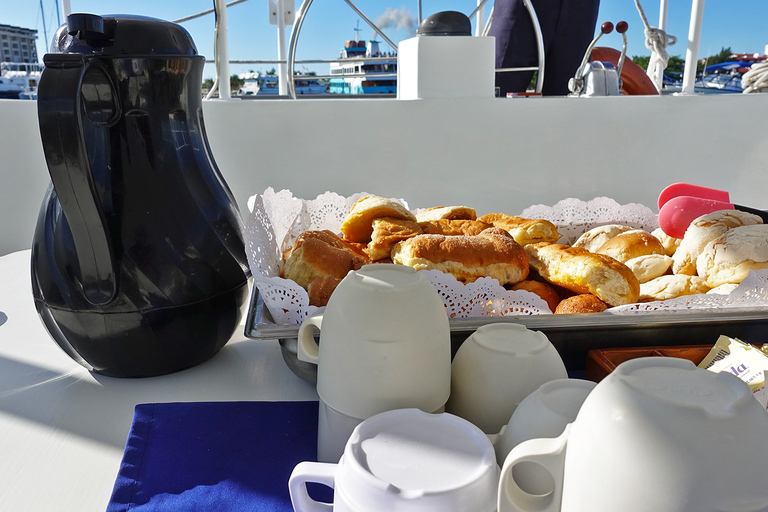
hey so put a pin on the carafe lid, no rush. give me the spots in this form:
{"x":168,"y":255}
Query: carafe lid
{"x":122,"y":36}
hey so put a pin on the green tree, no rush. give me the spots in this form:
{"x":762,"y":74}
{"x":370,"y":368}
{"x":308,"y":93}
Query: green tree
{"x":235,"y":83}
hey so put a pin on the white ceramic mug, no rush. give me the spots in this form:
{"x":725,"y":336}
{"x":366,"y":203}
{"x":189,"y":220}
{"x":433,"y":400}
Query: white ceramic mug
{"x":384,"y":344}
{"x":657,"y":434}
{"x":496,"y":368}
{"x":406,"y":460}
{"x":543,"y":414}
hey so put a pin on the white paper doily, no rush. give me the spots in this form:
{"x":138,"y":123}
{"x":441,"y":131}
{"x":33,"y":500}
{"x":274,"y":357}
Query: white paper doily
{"x":276,"y":218}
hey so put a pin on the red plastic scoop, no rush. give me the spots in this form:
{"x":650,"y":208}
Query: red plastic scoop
{"x":676,"y":214}
{"x":686,"y":189}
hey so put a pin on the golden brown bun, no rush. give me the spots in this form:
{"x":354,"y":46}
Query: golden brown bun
{"x":456,"y":227}
{"x":545,"y":291}
{"x":358,"y":225}
{"x":670,"y":243}
{"x":387,"y":231}
{"x":702,"y":231}
{"x":671,"y":287}
{"x":492,"y":253}
{"x":524,"y":231}
{"x":595,"y":237}
{"x":730,"y":257}
{"x":319,"y":254}
{"x":583,"y":303}
{"x":649,"y":266}
{"x":581,"y":271}
{"x":631,"y":244}
{"x":447,"y":213}
{"x":320,"y":290}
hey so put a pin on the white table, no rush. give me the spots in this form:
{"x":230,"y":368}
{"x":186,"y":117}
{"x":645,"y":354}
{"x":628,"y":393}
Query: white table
{"x":63,"y":429}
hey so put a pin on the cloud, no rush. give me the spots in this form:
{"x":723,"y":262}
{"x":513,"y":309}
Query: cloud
{"x":399,"y":19}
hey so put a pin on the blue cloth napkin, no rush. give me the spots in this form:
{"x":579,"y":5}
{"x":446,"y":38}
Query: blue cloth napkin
{"x":215,"y":456}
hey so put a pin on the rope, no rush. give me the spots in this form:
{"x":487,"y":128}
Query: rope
{"x":756,"y":79}
{"x":656,"y":40}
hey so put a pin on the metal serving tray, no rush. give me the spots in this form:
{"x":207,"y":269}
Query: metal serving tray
{"x":572,"y":335}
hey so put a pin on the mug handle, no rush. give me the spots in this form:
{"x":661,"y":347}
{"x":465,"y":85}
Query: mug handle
{"x":538,"y":486}
{"x":307,"y":348}
{"x":317,"y":472}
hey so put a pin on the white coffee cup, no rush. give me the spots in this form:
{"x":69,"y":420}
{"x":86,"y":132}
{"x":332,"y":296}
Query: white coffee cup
{"x":496,"y":368}
{"x":406,"y":460}
{"x":384,"y":344}
{"x":543,"y":414}
{"x":657,"y":434}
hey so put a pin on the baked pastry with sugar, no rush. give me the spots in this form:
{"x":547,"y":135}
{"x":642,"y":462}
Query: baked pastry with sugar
{"x":543,"y":290}
{"x":703,"y":230}
{"x":631,"y":244}
{"x":455,"y":227}
{"x":358,"y":225}
{"x":670,"y":243}
{"x":649,"y":266}
{"x":582,"y":303}
{"x":319,"y":254}
{"x":595,"y":237}
{"x":447,"y":213}
{"x":492,"y":253}
{"x":387,"y":231}
{"x":672,"y":286}
{"x":524,"y":231}
{"x":582,"y":271}
{"x":730,"y":257}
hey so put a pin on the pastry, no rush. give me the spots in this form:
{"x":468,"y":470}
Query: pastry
{"x":358,"y":225}
{"x":447,"y":213}
{"x":723,"y":289}
{"x":387,"y":231}
{"x":583,"y":303}
{"x":543,"y":290}
{"x":455,"y":227}
{"x":670,"y":243}
{"x":730,"y":257}
{"x":649,"y":266}
{"x":703,"y":230}
{"x":524,"y":231}
{"x":581,"y":271}
{"x":319,"y":254}
{"x":671,"y":287}
{"x":631,"y":244}
{"x":595,"y":237}
{"x":492,"y":253}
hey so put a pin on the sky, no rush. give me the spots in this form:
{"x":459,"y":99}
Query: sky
{"x":738,"y":24}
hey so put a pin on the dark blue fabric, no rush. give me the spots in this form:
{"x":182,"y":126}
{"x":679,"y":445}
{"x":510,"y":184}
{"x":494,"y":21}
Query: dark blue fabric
{"x":215,"y":456}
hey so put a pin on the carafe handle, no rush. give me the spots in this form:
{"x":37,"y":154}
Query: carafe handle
{"x":307,"y":348}
{"x":62,"y":103}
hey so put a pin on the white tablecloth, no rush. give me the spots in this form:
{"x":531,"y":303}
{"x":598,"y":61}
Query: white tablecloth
{"x":63,"y":429}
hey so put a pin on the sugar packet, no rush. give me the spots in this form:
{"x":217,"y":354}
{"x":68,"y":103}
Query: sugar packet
{"x":743,"y":360}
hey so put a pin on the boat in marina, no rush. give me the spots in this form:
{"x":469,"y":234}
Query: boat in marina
{"x":19,"y":79}
{"x":260,"y":84}
{"x":65,"y":429}
{"x":363,"y":69}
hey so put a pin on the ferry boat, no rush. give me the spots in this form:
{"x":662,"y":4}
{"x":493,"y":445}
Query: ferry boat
{"x":260,"y":84}
{"x":19,"y":79}
{"x":364,"y":69}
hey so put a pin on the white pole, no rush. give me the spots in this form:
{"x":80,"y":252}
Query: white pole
{"x":282,"y":74}
{"x":480,"y":18}
{"x":692,"y":54}
{"x":222,"y":50}
{"x":658,"y":73}
{"x":66,"y":8}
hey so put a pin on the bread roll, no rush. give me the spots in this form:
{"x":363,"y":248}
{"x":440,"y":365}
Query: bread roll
{"x":730,"y":257}
{"x":447,"y":213}
{"x":456,"y":227}
{"x":543,"y":290}
{"x":493,"y":253}
{"x":723,"y":289}
{"x":595,"y":237}
{"x":671,"y":287}
{"x":319,"y":254}
{"x":387,"y":231}
{"x":358,"y":225}
{"x":670,"y":243}
{"x":524,"y":231}
{"x":703,"y":230}
{"x":581,"y":271}
{"x":631,"y":244}
{"x":583,"y":303}
{"x":649,"y":266}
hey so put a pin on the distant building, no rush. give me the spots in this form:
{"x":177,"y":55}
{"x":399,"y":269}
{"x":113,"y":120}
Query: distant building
{"x":17,"y":44}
